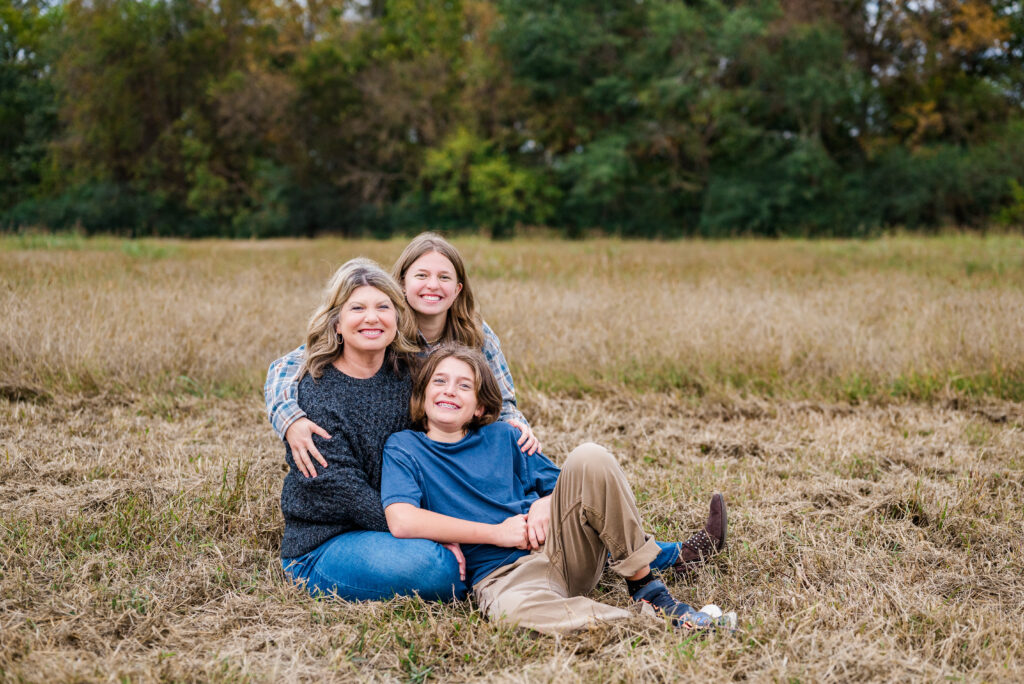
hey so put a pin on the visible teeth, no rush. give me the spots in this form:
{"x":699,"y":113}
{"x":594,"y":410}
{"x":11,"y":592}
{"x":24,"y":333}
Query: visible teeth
{"x":432,"y":298}
{"x":448,"y":405}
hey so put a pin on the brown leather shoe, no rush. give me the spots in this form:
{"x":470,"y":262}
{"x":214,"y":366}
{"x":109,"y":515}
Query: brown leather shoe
{"x":700,"y":547}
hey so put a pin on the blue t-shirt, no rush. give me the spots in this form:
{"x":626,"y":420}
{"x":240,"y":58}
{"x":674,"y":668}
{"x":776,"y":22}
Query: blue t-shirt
{"x":483,"y":477}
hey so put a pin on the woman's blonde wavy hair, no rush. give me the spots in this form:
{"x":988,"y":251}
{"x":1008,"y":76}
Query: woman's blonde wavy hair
{"x":462,"y":325}
{"x":324,"y":345}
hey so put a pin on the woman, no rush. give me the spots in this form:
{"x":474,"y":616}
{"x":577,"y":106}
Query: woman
{"x":355,"y":384}
{"x":433,"y":279}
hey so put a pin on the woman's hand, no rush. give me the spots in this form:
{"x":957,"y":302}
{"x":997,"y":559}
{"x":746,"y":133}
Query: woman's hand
{"x":511,"y":533}
{"x":300,"y":438}
{"x":538,"y":521}
{"x":528,"y":442}
{"x":457,"y":550}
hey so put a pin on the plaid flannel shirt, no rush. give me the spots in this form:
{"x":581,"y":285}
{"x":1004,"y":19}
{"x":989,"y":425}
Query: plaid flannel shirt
{"x":281,"y":390}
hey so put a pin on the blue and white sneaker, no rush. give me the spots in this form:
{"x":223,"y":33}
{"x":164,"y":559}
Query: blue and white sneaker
{"x":683,"y":615}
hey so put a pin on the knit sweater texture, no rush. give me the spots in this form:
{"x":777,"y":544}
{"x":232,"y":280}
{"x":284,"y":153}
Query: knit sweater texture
{"x":360,"y":415}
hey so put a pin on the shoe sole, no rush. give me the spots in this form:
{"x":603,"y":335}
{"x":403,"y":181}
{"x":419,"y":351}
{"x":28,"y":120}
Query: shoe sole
{"x":725,"y":523}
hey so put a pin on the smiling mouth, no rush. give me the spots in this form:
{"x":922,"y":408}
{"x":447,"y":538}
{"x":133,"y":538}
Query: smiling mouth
{"x":447,"y":405}
{"x":371,"y":332}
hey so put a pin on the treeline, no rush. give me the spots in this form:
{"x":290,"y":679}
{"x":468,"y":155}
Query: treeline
{"x":636,"y":117}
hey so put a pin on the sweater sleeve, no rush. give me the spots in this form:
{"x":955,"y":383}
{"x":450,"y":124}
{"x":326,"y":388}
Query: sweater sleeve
{"x":341,"y":493}
{"x":281,"y":391}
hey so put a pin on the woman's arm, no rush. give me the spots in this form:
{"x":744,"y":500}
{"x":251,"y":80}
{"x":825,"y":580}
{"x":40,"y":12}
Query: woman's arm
{"x":510,"y":412}
{"x":410,"y":522}
{"x":281,"y":393}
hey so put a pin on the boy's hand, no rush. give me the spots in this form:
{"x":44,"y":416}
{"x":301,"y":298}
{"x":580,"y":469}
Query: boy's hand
{"x":538,"y":521}
{"x":511,"y":533}
{"x":457,"y":550}
{"x":299,"y":436}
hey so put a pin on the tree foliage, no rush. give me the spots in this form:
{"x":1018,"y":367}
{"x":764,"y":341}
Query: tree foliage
{"x":652,"y":118}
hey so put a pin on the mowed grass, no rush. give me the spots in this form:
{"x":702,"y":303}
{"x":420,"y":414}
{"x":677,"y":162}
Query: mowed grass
{"x":858,"y":403}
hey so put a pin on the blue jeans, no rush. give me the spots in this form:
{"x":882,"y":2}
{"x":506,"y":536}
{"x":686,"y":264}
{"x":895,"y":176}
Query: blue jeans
{"x":373,"y":566}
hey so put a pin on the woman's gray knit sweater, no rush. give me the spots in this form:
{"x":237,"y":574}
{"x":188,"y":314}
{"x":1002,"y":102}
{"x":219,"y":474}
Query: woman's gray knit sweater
{"x":359,"y":415}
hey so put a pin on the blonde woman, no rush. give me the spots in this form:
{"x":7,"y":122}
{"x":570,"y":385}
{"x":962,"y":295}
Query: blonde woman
{"x":354,"y":381}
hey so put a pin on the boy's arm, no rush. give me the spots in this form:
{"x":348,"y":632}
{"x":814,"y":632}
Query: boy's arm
{"x":406,"y":521}
{"x":538,"y":522}
{"x":541,"y":475}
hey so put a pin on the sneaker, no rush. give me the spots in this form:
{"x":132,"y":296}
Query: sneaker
{"x":700,"y":547}
{"x":683,"y":616}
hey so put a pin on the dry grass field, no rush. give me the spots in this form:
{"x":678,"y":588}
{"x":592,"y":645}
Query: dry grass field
{"x":860,"y":404}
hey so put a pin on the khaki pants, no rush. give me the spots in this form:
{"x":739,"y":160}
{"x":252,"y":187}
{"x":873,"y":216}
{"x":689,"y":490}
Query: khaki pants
{"x":593,"y":514}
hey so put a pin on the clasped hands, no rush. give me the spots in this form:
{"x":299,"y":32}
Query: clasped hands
{"x":526,"y":531}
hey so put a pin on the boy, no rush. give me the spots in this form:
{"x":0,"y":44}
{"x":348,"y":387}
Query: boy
{"x":463,"y":480}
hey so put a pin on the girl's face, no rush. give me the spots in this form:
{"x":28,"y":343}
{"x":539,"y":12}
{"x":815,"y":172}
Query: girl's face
{"x":450,"y":398}
{"x":431,"y":285}
{"x":367,"y":321}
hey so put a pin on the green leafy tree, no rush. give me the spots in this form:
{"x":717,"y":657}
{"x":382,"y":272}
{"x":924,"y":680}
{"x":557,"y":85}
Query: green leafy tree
{"x":28,"y":110}
{"x":467,"y":182}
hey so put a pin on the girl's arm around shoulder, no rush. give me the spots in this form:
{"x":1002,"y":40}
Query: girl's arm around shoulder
{"x":510,"y":412}
{"x":281,"y":391}
{"x":498,"y":364}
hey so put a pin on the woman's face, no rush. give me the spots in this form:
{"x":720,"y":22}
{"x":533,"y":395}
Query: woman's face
{"x":431,"y":285}
{"x":368,"y":321}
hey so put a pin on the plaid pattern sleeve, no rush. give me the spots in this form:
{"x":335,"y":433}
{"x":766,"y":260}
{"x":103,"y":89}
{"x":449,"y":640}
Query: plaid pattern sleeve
{"x":281,"y":391}
{"x":499,"y":366}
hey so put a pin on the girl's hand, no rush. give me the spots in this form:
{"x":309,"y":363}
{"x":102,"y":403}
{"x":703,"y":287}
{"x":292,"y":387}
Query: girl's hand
{"x":299,"y":436}
{"x":538,"y":521}
{"x":511,"y":533}
{"x":528,"y":442}
{"x":457,"y":550}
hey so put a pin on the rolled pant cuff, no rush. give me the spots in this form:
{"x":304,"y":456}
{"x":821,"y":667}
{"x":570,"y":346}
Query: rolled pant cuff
{"x":636,"y":561}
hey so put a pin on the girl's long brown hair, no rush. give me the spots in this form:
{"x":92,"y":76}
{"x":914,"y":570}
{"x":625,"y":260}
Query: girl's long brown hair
{"x":463,"y":324}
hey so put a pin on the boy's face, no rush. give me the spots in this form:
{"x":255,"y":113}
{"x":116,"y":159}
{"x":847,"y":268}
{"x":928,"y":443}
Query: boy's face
{"x":450,"y":399}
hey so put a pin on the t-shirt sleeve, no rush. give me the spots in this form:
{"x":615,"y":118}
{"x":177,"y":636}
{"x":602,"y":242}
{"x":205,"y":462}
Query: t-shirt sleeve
{"x":538,"y":474}
{"x":400,"y":480}
{"x":542,"y":473}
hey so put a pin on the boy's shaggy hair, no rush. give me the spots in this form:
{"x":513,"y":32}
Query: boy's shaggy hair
{"x":487,"y":393}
